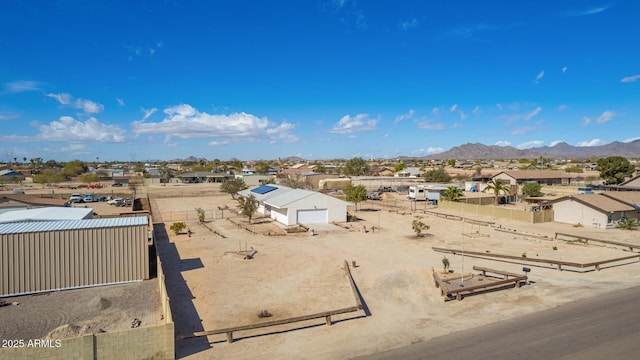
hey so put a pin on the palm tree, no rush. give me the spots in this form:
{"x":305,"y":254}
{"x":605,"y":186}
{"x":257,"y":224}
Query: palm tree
{"x":452,"y":193}
{"x":497,"y":187}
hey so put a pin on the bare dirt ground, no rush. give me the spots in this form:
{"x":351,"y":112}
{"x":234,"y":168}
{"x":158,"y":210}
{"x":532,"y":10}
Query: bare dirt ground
{"x":298,"y":274}
{"x":69,"y":313}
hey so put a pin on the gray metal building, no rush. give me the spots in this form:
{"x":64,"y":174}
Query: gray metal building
{"x":56,"y":255}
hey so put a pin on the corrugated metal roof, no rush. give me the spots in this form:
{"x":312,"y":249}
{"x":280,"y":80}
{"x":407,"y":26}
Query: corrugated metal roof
{"x":38,"y":226}
{"x":46,"y":214}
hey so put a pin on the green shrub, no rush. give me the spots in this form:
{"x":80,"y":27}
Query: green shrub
{"x":178,"y":227}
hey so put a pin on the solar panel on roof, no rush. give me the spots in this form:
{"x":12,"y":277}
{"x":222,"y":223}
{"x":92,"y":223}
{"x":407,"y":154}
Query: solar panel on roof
{"x":263,"y":189}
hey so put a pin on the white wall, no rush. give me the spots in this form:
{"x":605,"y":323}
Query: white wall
{"x":572,"y":212}
{"x":337,"y":209}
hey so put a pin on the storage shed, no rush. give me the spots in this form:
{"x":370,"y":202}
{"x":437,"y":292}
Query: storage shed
{"x":591,"y":210}
{"x":40,"y":256}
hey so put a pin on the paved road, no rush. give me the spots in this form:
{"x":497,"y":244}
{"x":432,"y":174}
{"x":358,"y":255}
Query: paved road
{"x":604,"y":327}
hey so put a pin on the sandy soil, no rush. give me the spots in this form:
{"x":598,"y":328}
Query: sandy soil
{"x":69,"y":313}
{"x":297,"y":274}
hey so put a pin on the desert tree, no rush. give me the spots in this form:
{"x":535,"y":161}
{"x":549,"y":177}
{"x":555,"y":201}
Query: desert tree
{"x":418,"y":227}
{"x":532,"y":189}
{"x":355,"y":194}
{"x":201,"y":215}
{"x":247,"y":206}
{"x":232,"y":187}
{"x":356,"y":167}
{"x":48,"y":177}
{"x":439,"y":175}
{"x":614,"y":169}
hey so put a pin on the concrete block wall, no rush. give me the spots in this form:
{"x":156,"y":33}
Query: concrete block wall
{"x":498,"y":212}
{"x":153,"y":342}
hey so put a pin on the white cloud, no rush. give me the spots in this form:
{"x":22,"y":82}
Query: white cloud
{"x":530,"y":144}
{"x":8,"y":117}
{"x":499,"y":106}
{"x":120,"y":102}
{"x":351,"y":136}
{"x":631,"y":139}
{"x":429,"y":150}
{"x":476,"y":110}
{"x":88,"y":106}
{"x":427,"y":125}
{"x":72,"y":130}
{"x":453,"y":107}
{"x":564,"y":69}
{"x":186,"y":122}
{"x":554,"y":143}
{"x":62,"y":98}
{"x":562,"y":107}
{"x":535,"y":112}
{"x":523,"y":130}
{"x":409,"y":24}
{"x":593,"y":142}
{"x":435,"y":111}
{"x":21,"y":86}
{"x":406,"y":116}
{"x":605,"y":117}
{"x":631,"y":78}
{"x":539,"y":77}
{"x":463,"y":116}
{"x":503,"y":143}
{"x":588,"y":11}
{"x":148,"y":113}
{"x":360,"y":122}
{"x":75,"y":148}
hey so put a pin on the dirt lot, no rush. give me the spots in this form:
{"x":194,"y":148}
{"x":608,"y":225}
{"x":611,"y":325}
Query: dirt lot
{"x":298,"y":274}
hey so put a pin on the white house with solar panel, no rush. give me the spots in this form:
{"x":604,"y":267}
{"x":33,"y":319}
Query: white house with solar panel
{"x":297,"y":206}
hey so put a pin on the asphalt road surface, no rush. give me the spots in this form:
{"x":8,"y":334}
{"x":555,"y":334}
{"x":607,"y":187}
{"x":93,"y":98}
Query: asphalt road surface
{"x":603,"y":327}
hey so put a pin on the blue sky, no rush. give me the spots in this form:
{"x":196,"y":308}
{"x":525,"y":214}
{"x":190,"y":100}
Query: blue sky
{"x":138,"y":80}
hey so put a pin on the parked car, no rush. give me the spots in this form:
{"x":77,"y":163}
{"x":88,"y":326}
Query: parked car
{"x":101,"y":198}
{"x":88,"y":197}
{"x":18,"y":192}
{"x":117,"y":184}
{"x":75,"y":198}
{"x":116,"y":202}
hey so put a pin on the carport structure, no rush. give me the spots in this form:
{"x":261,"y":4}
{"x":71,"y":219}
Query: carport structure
{"x":297,"y":206}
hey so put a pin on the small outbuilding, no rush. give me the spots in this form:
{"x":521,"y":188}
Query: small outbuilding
{"x":591,"y":210}
{"x":40,"y":256}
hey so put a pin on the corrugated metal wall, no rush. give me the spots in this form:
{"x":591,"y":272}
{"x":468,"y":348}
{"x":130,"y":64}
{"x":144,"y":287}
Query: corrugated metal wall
{"x":55,"y":260}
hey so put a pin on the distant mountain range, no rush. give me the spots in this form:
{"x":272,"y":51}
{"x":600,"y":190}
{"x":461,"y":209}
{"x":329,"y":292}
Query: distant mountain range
{"x":561,"y":150}
{"x":479,"y":151}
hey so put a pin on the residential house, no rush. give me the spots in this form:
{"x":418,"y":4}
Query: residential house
{"x":296,"y":206}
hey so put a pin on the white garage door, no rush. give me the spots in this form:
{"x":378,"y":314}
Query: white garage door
{"x":312,"y":216}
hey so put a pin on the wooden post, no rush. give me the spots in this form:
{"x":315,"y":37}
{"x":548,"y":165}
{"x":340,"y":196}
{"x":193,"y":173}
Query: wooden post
{"x":328,"y":319}
{"x":230,"y":337}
